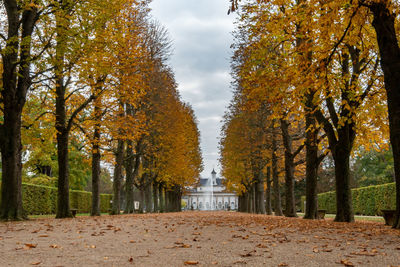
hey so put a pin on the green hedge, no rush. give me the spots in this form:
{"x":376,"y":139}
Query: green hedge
{"x":38,"y":199}
{"x":366,"y":200}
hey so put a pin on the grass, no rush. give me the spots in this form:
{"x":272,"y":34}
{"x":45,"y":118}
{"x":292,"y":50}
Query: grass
{"x":51,"y":216}
{"x":356,"y":217}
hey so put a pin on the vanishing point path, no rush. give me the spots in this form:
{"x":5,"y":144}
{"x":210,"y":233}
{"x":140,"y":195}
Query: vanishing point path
{"x":198,"y":239}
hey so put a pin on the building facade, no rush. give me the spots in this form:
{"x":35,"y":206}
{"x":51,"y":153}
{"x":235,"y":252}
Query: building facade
{"x":210,"y":194}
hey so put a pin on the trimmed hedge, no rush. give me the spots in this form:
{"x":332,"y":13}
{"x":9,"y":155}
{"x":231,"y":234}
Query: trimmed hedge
{"x":38,"y":199}
{"x":368,"y":200}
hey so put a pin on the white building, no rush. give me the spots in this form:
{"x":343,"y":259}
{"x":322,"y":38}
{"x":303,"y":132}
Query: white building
{"x":210,"y":194}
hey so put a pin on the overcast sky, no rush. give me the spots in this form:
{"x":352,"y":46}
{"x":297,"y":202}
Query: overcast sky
{"x":201,"y":35}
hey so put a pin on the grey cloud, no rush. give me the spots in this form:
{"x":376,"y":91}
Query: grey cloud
{"x":200,"y":30}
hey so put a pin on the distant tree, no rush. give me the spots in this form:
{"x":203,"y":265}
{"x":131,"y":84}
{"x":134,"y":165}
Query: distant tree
{"x":373,"y":168}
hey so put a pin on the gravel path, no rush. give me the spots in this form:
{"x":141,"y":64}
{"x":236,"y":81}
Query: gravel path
{"x":197,"y":239}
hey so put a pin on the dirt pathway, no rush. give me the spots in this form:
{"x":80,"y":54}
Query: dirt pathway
{"x":197,"y":238}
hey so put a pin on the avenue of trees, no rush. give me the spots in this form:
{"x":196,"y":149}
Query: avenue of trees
{"x":86,"y":93}
{"x":313,"y":80}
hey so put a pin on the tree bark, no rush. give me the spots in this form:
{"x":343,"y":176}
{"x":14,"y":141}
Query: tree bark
{"x":96,"y":158}
{"x":268,"y":207}
{"x":11,"y":187}
{"x":16,"y":60}
{"x":260,"y":193}
{"x":311,"y":208}
{"x":341,"y":156}
{"x":251,"y":199}
{"x":240,"y":203}
{"x":155,"y":198}
{"x":142,"y":194}
{"x":167,"y":200}
{"x":162,"y":198}
{"x":129,"y":207}
{"x":149,"y":198}
{"x":119,"y":159}
{"x":275,"y":177}
{"x":63,"y":206}
{"x":384,"y":24}
{"x":290,"y":202}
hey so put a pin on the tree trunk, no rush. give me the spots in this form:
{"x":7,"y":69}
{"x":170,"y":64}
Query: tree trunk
{"x":155,"y":198}
{"x":129,"y":207}
{"x":248,"y":201}
{"x":268,"y":207}
{"x":11,"y":191}
{"x":290,"y":202}
{"x":142,"y":194}
{"x":119,"y":159}
{"x":312,"y":162}
{"x":260,"y":193}
{"x":167,"y":200}
{"x":149,"y":198}
{"x":178,"y":198}
{"x":16,"y":60}
{"x":63,"y":207}
{"x":96,"y":157}
{"x":341,"y":156}
{"x":162,"y":198}
{"x":384,"y":24}
{"x":275,"y":178}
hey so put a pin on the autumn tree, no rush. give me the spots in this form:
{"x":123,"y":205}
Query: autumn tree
{"x":329,"y":70}
{"x":385,"y":14}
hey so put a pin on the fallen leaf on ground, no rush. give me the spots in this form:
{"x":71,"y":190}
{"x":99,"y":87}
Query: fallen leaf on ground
{"x":35,"y":263}
{"x":31,"y":245}
{"x":346,"y":263}
{"x":191,"y":262}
